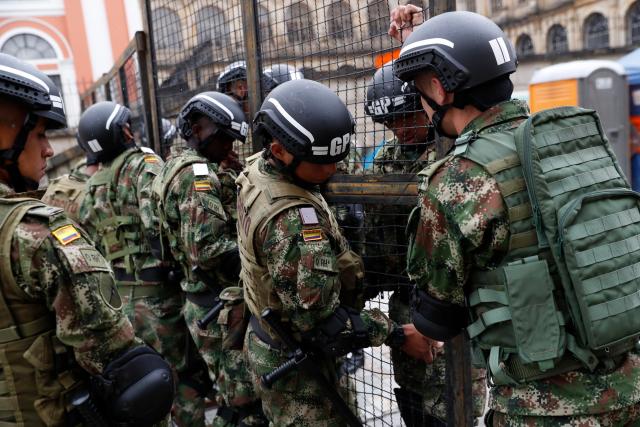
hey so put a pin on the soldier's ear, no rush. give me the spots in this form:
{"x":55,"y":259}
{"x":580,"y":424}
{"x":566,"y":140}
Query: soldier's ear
{"x":279,"y":152}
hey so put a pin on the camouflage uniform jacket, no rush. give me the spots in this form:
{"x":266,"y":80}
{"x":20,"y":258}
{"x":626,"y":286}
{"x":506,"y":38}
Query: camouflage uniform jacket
{"x":463,"y":224}
{"x":133,"y":200}
{"x":394,"y":157}
{"x":56,"y":270}
{"x":67,"y":191}
{"x":193,"y":213}
{"x":302,"y":262}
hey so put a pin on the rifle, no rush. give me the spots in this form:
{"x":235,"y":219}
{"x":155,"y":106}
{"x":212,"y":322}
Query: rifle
{"x":306,"y":361}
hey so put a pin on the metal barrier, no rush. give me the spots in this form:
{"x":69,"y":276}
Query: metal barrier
{"x":340,"y":43}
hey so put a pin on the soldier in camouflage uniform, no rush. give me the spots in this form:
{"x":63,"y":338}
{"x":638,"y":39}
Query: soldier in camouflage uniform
{"x":294,"y":258}
{"x":421,"y":396}
{"x":68,"y":191}
{"x":59,"y":306}
{"x":200,"y":234}
{"x":117,"y":213}
{"x":461,"y":228}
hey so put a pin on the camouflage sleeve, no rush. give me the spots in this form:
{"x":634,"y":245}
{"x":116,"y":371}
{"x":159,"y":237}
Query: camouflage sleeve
{"x":87,"y":216}
{"x":462,"y":223}
{"x":302,"y":262}
{"x":204,"y":230}
{"x":76,"y":283}
{"x":228,"y":193}
{"x":148,"y":168}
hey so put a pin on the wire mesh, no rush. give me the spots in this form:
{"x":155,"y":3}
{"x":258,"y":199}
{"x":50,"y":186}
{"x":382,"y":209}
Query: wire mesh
{"x":123,"y":84}
{"x":341,"y":44}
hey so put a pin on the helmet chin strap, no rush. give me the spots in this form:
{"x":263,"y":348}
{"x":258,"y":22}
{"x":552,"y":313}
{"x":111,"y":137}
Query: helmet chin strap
{"x":290,"y":170}
{"x":439,"y":112}
{"x":10,"y":156}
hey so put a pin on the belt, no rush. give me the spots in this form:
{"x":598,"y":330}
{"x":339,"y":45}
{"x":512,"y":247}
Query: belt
{"x":206,"y":298}
{"x":262,"y":334}
{"x":153,"y":274}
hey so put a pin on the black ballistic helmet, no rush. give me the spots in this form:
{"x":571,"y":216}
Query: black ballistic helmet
{"x":465,"y":50}
{"x":277,"y":74}
{"x":221,"y":109}
{"x":56,"y":116}
{"x":234,"y":71}
{"x":309,"y":119}
{"x":100,"y":131}
{"x":24,"y":84}
{"x":388,"y":96}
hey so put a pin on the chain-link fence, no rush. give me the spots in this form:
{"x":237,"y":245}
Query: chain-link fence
{"x":342,"y":44}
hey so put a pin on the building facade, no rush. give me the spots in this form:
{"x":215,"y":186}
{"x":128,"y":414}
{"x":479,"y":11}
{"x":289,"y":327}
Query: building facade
{"x":73,"y":41}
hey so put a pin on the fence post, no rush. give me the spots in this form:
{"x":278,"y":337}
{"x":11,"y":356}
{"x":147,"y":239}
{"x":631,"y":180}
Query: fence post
{"x":253,"y":59}
{"x":149,"y":77}
{"x":458,"y":382}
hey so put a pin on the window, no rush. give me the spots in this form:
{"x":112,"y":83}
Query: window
{"x":524,"y":46}
{"x":557,"y":39}
{"x":299,"y":25}
{"x":339,"y":25}
{"x":29,"y":46}
{"x":166,"y":28}
{"x":378,"y":17}
{"x":211,"y":25}
{"x":633,"y":24}
{"x":265,"y":24}
{"x":596,"y":32}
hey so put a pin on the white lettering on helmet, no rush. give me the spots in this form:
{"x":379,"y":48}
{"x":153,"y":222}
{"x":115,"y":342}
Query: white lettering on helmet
{"x":339,"y":144}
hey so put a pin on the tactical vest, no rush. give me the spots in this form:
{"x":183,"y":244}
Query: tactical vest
{"x":260,"y":198}
{"x":33,"y":382}
{"x":565,"y":295}
{"x":66,"y":192}
{"x":161,"y":185}
{"x":118,"y":231}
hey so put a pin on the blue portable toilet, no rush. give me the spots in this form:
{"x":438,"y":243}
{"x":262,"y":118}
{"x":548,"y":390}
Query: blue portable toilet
{"x":631,"y":64}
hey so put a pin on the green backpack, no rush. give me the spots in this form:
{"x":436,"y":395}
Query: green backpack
{"x":569,"y":297}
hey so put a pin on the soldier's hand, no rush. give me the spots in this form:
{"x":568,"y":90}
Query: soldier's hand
{"x":418,"y":346}
{"x":403,"y":19}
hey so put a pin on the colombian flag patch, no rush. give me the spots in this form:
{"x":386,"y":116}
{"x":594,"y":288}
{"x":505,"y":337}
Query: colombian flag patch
{"x":312,"y":235}
{"x":149,"y":158}
{"x":202,"y":185}
{"x":66,"y":234}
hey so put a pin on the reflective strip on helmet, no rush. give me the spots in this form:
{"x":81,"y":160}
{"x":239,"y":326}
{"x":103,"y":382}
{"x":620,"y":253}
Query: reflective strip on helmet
{"x":218,"y":103}
{"x":243,"y":127}
{"x":500,"y":50}
{"x":427,"y":42}
{"x":291,"y":120}
{"x":26,"y":76}
{"x":94,"y":145}
{"x":112,"y":116}
{"x":57,"y":101}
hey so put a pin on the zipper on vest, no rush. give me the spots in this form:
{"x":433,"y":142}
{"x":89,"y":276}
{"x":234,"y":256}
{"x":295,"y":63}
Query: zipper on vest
{"x":527,"y":169}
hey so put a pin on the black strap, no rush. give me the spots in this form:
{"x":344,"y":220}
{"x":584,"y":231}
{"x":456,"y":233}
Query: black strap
{"x":262,"y":334}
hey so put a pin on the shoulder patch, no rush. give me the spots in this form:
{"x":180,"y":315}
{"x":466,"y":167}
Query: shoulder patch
{"x":66,"y":234}
{"x":200,"y":169}
{"x":308,"y":215}
{"x":312,"y":235}
{"x":202,"y":185}
{"x":150,"y":158}
{"x":147,"y":150}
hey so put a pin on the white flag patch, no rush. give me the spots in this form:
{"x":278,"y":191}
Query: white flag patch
{"x":500,"y":50}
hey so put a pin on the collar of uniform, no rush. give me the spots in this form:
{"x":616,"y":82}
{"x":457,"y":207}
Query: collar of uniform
{"x":503,"y":112}
{"x":5,"y":190}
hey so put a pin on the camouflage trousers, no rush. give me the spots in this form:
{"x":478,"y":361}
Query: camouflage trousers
{"x":158,"y":322}
{"x":295,"y":399}
{"x":428,"y":380}
{"x":629,"y":416}
{"x":227,"y":368}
